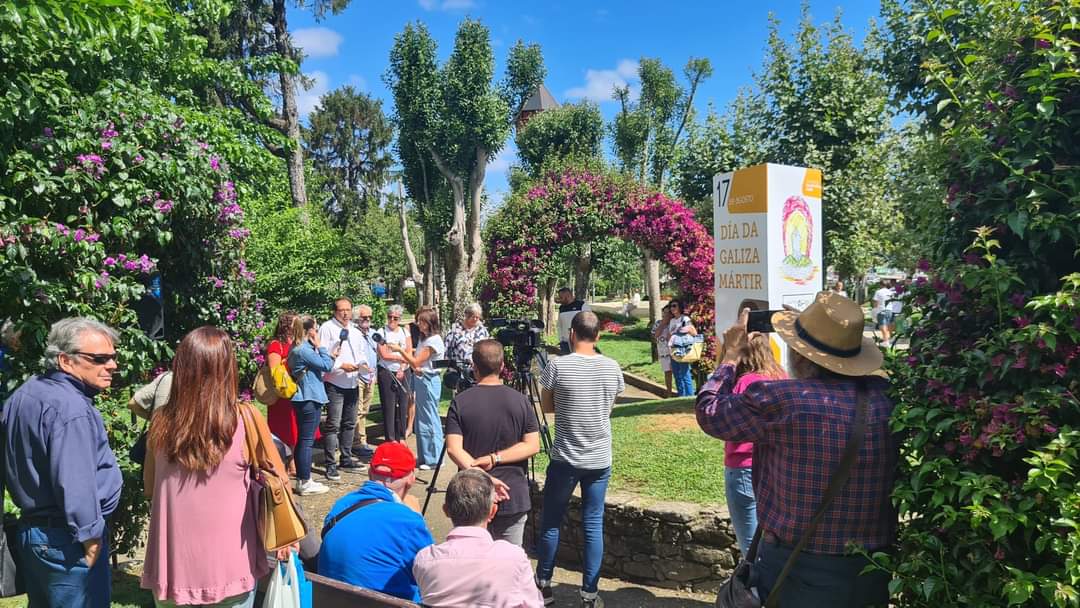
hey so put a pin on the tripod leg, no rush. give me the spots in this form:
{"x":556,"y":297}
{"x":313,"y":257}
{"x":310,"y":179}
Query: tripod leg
{"x":432,"y":489}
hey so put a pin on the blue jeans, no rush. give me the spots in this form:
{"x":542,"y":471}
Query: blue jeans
{"x":429,"y":432}
{"x":741,"y":504}
{"x":54,"y":569}
{"x":684,"y":382}
{"x":559,"y":485}
{"x":307,"y":419}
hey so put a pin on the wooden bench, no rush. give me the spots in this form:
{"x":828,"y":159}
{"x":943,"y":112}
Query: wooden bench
{"x":331,"y":593}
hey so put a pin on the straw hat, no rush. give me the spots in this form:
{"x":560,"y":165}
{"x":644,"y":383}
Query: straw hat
{"x":829,"y":332}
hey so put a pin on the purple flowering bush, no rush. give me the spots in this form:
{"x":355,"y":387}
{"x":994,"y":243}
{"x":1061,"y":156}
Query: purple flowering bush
{"x":578,"y":205}
{"x":113,"y":171}
{"x":988,"y":491}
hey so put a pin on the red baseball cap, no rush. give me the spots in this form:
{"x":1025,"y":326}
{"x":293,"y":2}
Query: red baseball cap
{"x":393,"y":459}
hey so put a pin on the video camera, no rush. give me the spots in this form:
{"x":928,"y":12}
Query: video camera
{"x":518,"y":333}
{"x":460,"y":377}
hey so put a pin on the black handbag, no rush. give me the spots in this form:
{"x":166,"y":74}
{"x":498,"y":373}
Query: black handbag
{"x":737,"y":591}
{"x":11,"y":583}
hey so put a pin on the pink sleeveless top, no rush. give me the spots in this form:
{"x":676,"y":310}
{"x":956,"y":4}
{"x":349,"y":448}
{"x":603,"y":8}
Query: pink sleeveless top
{"x":204,"y":545}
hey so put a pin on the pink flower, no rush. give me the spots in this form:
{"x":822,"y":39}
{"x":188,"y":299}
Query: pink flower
{"x":163,"y":206}
{"x":109,"y":261}
{"x":1021,"y":322}
{"x":215,"y":163}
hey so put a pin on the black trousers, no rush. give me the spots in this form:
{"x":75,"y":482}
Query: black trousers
{"x":395,"y":405}
{"x":819,"y":581}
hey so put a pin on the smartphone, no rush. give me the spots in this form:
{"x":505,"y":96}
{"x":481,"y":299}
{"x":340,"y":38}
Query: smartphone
{"x":760,"y":321}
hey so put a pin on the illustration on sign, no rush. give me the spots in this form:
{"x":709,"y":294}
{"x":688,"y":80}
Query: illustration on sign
{"x":798,"y":236}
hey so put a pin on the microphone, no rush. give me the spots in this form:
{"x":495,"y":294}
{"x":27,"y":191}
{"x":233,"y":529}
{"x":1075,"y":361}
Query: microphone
{"x":344,"y":335}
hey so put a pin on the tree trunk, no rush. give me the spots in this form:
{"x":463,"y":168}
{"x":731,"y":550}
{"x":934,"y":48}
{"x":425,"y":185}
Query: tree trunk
{"x":295,"y":159}
{"x":652,"y":283}
{"x":465,"y":249}
{"x":430,"y":285}
{"x":410,"y":258}
{"x":583,"y":272}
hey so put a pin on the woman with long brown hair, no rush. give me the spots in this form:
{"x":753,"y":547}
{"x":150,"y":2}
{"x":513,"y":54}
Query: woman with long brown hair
{"x":280,"y":414}
{"x":756,"y":364}
{"x":204,"y":548}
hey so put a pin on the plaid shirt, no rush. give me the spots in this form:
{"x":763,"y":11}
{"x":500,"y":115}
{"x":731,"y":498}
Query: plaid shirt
{"x":799,"y":429}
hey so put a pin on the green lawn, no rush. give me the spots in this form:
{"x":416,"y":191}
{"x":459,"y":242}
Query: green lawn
{"x":660,"y":452}
{"x":632,"y":349}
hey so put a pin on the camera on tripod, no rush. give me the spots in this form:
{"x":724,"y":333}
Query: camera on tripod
{"x":518,"y":333}
{"x":460,"y":377}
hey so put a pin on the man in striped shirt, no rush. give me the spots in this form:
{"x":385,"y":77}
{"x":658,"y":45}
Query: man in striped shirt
{"x":580,"y":389}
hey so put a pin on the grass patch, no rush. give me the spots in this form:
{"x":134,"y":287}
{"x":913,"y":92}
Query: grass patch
{"x":660,"y":452}
{"x":632,"y":349}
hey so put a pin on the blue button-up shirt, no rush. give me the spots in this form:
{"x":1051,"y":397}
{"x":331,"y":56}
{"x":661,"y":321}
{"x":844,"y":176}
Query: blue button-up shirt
{"x":57,"y":459}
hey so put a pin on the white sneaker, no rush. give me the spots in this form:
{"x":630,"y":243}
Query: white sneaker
{"x":425,"y":467}
{"x":309,"y":487}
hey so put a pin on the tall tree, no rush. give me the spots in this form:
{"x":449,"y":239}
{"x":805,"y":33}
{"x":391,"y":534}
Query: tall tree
{"x":455,"y":119}
{"x":646,"y":134}
{"x":348,"y":141}
{"x":255,"y":35}
{"x":574,"y":132}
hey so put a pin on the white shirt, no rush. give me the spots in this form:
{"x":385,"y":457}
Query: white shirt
{"x":675,"y":325}
{"x":881,"y":297}
{"x":352,"y":351}
{"x":567,"y":312}
{"x":398,"y":337}
{"x":435,"y":343}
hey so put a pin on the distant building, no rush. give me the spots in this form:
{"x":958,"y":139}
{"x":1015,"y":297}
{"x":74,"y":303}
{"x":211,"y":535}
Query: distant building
{"x":540,"y":100}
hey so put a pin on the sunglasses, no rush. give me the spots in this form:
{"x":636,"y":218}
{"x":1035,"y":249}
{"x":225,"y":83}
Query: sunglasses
{"x":97,"y":358}
{"x":363,"y":318}
{"x":394,"y":318}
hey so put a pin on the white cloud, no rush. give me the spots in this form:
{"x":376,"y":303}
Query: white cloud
{"x":308,"y":100}
{"x":358,"y":82}
{"x":447,"y":5}
{"x":502,"y":161}
{"x":600,"y":84}
{"x":317,"y":41}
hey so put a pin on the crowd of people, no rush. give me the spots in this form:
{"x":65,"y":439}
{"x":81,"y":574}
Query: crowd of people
{"x":785,"y":441}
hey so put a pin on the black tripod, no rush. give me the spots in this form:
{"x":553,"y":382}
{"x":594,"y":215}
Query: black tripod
{"x":525,"y":382}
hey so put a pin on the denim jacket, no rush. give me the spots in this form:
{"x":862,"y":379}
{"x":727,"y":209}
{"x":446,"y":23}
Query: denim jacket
{"x":307,"y":367}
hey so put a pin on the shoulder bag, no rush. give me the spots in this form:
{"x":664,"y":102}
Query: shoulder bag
{"x":279,"y":523}
{"x":11,"y":584}
{"x":736,"y":592}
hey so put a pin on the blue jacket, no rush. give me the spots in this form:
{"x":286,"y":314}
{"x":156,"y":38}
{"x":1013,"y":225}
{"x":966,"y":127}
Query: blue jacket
{"x":307,"y":369}
{"x":375,"y":545}
{"x":57,"y":460}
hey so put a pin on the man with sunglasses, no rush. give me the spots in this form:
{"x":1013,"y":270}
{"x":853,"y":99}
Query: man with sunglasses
{"x":60,"y":471}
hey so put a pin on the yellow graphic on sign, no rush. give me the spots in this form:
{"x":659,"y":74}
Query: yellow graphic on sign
{"x":811,"y":183}
{"x":749,"y":188}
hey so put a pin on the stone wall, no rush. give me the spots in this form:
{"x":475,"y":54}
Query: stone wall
{"x":664,"y":544}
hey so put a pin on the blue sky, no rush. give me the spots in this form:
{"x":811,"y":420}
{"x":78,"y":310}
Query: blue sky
{"x":588,"y":46}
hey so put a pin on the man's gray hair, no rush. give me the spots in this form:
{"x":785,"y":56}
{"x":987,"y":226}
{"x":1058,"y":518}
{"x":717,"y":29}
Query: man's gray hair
{"x":469,"y":496}
{"x":359,"y":310}
{"x":65,"y":336}
{"x":474,"y":310}
{"x":396,"y":309}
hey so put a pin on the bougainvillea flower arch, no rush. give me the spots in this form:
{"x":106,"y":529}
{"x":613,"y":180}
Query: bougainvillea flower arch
{"x":577,"y":205}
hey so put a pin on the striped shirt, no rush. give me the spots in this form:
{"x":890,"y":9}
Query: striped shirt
{"x":585,"y":388}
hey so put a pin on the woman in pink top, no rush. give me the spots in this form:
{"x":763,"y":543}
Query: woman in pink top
{"x":204,"y":548}
{"x":756,"y":363}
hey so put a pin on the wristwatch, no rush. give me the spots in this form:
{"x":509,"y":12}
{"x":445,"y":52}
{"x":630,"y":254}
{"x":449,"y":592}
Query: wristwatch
{"x":498,"y":459}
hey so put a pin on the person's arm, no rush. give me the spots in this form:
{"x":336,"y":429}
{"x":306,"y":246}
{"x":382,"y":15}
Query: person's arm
{"x":547,"y":401}
{"x":522,"y":450}
{"x":148,"y":473}
{"x":137,"y":409}
{"x":73,"y":469}
{"x":455,"y":448}
{"x":273,"y":359}
{"x":318,"y":361}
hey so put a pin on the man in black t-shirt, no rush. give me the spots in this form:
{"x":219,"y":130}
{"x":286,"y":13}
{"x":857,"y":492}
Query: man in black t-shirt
{"x":493,"y":427}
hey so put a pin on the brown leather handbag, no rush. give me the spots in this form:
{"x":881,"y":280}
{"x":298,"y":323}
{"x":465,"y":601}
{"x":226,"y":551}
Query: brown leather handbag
{"x":279,"y":523}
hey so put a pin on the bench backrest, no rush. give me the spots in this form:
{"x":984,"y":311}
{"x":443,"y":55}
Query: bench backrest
{"x":331,"y":593}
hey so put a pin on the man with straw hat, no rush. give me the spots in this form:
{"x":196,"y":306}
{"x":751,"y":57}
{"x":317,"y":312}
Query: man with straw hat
{"x":801,"y":429}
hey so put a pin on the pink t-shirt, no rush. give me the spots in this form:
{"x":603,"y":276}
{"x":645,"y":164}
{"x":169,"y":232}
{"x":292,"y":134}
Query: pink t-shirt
{"x":738,"y":455}
{"x":204,"y":545}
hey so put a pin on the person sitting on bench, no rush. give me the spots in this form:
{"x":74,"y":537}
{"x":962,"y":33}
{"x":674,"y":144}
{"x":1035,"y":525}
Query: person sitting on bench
{"x":471,"y":569}
{"x":371,"y":536}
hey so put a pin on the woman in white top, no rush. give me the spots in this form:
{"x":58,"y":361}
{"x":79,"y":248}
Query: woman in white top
{"x":663,"y":351}
{"x":681,"y":324}
{"x":392,"y":395}
{"x":429,"y":433}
